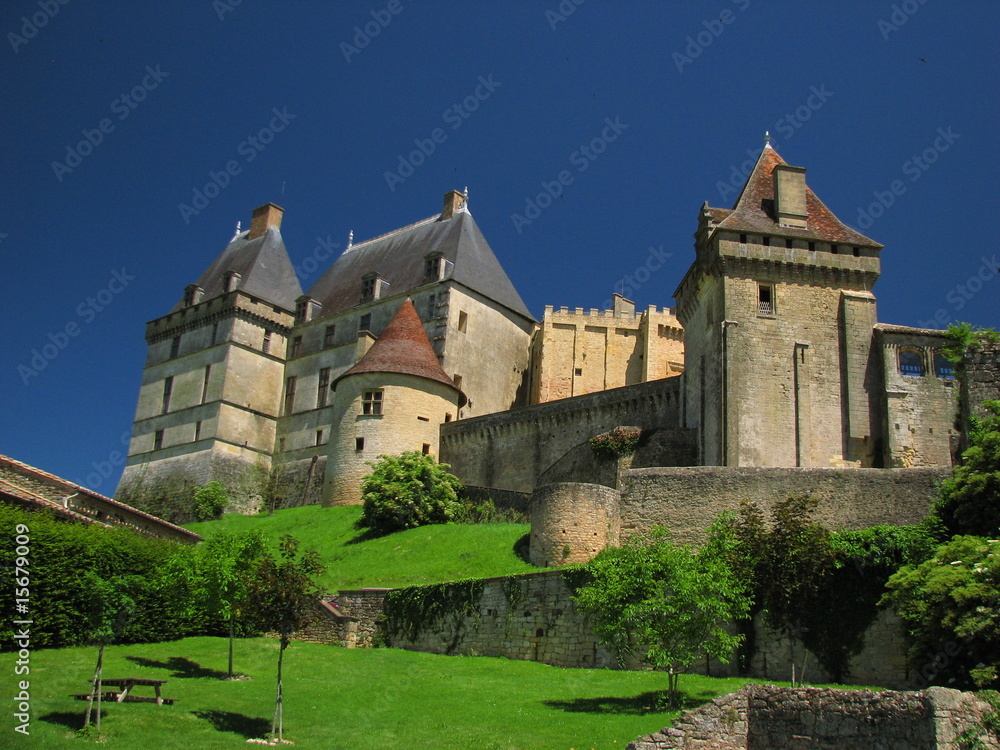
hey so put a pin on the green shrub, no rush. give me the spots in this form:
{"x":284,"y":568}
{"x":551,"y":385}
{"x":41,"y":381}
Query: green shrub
{"x":407,"y":491}
{"x":621,"y":441}
{"x":969,"y":501}
{"x":209,"y":501}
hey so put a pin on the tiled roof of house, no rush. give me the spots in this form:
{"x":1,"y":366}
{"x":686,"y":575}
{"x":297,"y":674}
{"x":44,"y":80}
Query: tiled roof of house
{"x":403,"y":348}
{"x":31,"y":486}
{"x":754,"y":210}
{"x":263,"y":264}
{"x":398,"y":259}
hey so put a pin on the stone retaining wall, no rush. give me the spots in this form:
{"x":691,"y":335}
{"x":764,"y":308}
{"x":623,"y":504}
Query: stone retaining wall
{"x":778,"y":718}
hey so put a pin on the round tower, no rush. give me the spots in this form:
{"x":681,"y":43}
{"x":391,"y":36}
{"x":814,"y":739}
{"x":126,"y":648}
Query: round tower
{"x":393,"y":400}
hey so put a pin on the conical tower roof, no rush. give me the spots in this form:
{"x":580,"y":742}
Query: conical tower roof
{"x":404,"y":348}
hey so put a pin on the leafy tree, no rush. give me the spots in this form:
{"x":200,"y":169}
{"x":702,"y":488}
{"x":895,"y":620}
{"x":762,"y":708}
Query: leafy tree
{"x":663,"y":604}
{"x":229,"y":565}
{"x":209,"y":501}
{"x":951,"y":607}
{"x":407,"y":491}
{"x":969,"y":502}
{"x":283,"y":592}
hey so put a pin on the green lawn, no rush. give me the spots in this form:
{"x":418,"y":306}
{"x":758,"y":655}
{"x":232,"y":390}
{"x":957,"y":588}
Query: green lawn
{"x":430,"y":554}
{"x":357,"y":699}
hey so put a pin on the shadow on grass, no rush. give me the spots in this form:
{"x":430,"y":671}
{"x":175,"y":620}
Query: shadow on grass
{"x":521,"y":547}
{"x":654,"y":702}
{"x":228,"y":721}
{"x":366,"y":535}
{"x":181,"y":666}
{"x":72,"y":719}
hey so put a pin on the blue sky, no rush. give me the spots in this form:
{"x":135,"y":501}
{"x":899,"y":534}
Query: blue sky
{"x":117,"y":115}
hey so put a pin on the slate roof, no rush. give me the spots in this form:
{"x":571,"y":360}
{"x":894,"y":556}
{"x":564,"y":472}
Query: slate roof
{"x":403,"y":348}
{"x":754,"y":210}
{"x":264,"y":266}
{"x":398,"y":258}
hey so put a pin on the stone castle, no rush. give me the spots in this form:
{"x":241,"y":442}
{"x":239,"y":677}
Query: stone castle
{"x":772,"y":361}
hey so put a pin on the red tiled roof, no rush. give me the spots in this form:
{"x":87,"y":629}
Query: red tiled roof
{"x":403,"y":348}
{"x":754,"y":210}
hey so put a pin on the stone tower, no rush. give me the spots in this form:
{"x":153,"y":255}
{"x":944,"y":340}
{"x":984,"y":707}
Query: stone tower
{"x":778,"y":315}
{"x":393,"y":400}
{"x":211,"y":389}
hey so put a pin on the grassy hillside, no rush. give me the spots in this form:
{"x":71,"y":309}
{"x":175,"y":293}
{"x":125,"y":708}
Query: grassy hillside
{"x":430,"y":554}
{"x":363,"y":699}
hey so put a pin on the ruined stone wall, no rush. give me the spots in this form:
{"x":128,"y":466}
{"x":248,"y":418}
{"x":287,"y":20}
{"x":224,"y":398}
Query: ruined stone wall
{"x":686,"y":500}
{"x":982,"y":378}
{"x":779,"y":718}
{"x":510,"y":450}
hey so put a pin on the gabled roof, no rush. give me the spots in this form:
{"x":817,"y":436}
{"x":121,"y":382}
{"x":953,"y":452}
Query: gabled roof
{"x":403,"y":348}
{"x":398,"y":258}
{"x":754,"y":210}
{"x":264,"y":266}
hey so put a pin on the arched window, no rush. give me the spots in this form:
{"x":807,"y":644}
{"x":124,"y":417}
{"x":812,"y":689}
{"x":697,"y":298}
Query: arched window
{"x":911,"y":362}
{"x":942,"y":367}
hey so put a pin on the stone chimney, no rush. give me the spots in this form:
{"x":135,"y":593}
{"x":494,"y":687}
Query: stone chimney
{"x":622,"y":306}
{"x":790,"y":196}
{"x":365,"y":341}
{"x":454,"y":201}
{"x":268,"y":215}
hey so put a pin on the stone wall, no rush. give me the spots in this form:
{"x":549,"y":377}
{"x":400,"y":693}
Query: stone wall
{"x":533,"y":617}
{"x":572,"y":522}
{"x":686,"y":500}
{"x":512,"y":449}
{"x":519,"y":502}
{"x":982,"y":379}
{"x":778,"y":718}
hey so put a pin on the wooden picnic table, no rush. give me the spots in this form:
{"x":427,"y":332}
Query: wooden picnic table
{"x":121,"y":691}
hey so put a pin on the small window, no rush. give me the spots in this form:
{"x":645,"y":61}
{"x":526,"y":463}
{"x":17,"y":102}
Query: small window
{"x":204,"y":383}
{"x":296,"y":346}
{"x":323,"y":389}
{"x":743,"y":239}
{"x":812,"y":246}
{"x":857,"y":252}
{"x":423,"y":419}
{"x":197,"y":430}
{"x":765,"y":241}
{"x":168,"y":387}
{"x":365,"y":323}
{"x":301,"y":309}
{"x":319,"y":437}
{"x":157,"y":440}
{"x":911,"y":362}
{"x":290,"y":393}
{"x":463,"y":322}
{"x":359,"y":443}
{"x":175,"y":347}
{"x":788,"y":243}
{"x":266,"y":346}
{"x":578,"y":371}
{"x":834,"y":249}
{"x":765,"y":299}
{"x":426,"y":449}
{"x":431,"y":306}
{"x":458,"y":380}
{"x":371,"y":402}
{"x":432,"y":267}
{"x":447,"y":417}
{"x":942,"y":367}
{"x":328,"y":336}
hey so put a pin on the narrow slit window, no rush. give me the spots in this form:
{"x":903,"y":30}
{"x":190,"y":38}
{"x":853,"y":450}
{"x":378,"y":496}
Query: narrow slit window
{"x":157,"y":440}
{"x":328,"y":336}
{"x":168,"y":387}
{"x":296,"y":346}
{"x":290,"y":393}
{"x":323,"y":388}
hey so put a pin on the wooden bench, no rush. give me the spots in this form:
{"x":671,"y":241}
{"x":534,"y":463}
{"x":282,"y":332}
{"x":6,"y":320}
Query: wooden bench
{"x":121,"y":691}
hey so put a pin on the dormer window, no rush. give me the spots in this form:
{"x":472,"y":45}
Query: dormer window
{"x":232,"y":280}
{"x":301,"y":308}
{"x":192,"y":294}
{"x":371,"y":287}
{"x":432,"y":267}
